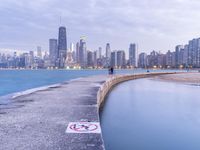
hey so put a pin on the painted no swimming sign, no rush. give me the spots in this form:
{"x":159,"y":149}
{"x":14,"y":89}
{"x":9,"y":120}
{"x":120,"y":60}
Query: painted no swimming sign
{"x":83,"y":127}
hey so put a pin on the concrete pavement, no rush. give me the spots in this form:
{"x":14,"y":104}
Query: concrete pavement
{"x":39,"y":120}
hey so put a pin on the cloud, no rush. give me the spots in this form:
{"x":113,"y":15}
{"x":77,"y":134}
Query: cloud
{"x":154,"y":24}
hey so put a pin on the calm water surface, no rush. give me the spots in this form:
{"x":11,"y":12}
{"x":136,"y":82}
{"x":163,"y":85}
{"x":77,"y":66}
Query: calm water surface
{"x":19,"y":80}
{"x":151,"y":115}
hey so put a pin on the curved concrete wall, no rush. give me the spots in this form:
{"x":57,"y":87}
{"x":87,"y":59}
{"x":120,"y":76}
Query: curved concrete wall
{"x":46,"y":115}
{"x":116,"y":79}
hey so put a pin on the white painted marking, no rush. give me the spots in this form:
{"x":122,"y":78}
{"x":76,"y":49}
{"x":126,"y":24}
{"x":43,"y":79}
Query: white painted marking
{"x":83,"y":127}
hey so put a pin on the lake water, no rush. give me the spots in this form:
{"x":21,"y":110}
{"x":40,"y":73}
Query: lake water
{"x":145,"y":114}
{"x":19,"y":80}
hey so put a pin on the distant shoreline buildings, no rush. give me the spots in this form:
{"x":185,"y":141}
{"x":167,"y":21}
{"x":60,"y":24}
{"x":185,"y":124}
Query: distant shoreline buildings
{"x":79,"y":57}
{"x":184,"y":56}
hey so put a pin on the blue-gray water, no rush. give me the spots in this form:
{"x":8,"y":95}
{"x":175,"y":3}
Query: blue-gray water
{"x":12,"y":81}
{"x":152,"y":115}
{"x":19,"y":80}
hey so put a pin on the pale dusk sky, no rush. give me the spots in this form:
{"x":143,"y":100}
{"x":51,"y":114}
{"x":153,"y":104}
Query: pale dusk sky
{"x":152,"y":24}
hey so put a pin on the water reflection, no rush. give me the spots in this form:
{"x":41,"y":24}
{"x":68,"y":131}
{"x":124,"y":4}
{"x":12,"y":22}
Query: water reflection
{"x":152,"y":115}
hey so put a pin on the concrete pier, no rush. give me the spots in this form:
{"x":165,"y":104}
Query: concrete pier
{"x":41,"y":120}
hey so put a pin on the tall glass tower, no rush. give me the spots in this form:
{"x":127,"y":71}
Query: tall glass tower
{"x":83,"y":53}
{"x":133,"y":55}
{"x":62,"y":46}
{"x":53,"y":51}
{"x":108,"y":50}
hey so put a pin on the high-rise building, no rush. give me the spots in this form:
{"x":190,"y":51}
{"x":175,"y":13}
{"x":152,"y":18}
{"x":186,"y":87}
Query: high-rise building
{"x":190,"y":53}
{"x":113,"y":61}
{"x":153,"y":59}
{"x":83,"y":53}
{"x":133,"y":55}
{"x":90,"y":59}
{"x":69,"y":62}
{"x":185,"y":56}
{"x":161,"y":60}
{"x":177,"y":55}
{"x":191,"y":56}
{"x":26,"y":60}
{"x":169,"y":59}
{"x":198,"y":53}
{"x":173,"y":59}
{"x":62,"y":46}
{"x":142,"y":62}
{"x":31,"y":59}
{"x":77,"y":53}
{"x":108,"y":51}
{"x":72,"y":51}
{"x":53,"y":52}
{"x":95,"y":58}
{"x":39,"y":52}
{"x":194,"y":52}
{"x":181,"y":57}
{"x":71,"y":47}
{"x":121,"y":60}
{"x":99,"y":53}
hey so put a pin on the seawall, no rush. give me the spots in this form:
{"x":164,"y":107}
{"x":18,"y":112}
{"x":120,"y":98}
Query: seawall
{"x":64,"y":117}
{"x":114,"y":80}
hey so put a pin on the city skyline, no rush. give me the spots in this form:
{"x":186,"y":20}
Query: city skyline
{"x":25,"y":25}
{"x":79,"y":57}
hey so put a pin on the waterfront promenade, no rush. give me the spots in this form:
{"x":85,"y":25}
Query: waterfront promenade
{"x":65,"y":116}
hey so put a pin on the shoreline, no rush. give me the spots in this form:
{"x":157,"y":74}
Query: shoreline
{"x":189,"y":78}
{"x":48,"y":85}
{"x":196,"y":69}
{"x":7,"y":99}
{"x":44,"y":116}
{"x":177,"y":78}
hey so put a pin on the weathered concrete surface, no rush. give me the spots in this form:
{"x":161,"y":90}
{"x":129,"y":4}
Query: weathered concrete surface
{"x":39,"y":120}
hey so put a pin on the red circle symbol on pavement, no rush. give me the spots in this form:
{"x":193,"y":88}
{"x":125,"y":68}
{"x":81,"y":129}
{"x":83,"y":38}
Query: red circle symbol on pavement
{"x":83,"y":127}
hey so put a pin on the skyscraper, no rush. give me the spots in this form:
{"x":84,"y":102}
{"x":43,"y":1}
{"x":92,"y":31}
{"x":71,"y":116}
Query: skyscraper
{"x":185,"y":56}
{"x":190,"y":52}
{"x":77,"y":53}
{"x":82,"y":53}
{"x":132,"y":55}
{"x":177,"y":53}
{"x":113,"y":61}
{"x":31,"y":59}
{"x":198,"y":53}
{"x":72,"y":51}
{"x":99,"y":53}
{"x":39,"y":52}
{"x":71,"y":47}
{"x":53,"y":51}
{"x":62,"y":46}
{"x":108,"y":50}
{"x":169,"y":59}
{"x":121,"y":61}
{"x":142,"y":63}
{"x":90,"y":60}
